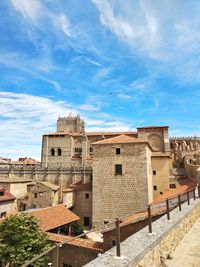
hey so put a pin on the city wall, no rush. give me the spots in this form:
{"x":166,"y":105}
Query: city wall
{"x":143,"y":249}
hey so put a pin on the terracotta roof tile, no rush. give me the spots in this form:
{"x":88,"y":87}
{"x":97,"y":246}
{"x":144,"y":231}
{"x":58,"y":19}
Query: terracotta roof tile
{"x":79,"y":242}
{"x":182,"y":186}
{"x":53,"y":217}
{"x":121,"y":139}
{"x":7,"y":196}
{"x":135,"y":134}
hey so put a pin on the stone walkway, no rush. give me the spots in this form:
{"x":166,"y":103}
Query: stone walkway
{"x":187,"y":253}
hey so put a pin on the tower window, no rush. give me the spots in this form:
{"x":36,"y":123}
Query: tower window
{"x":118,"y":152}
{"x":87,"y":195}
{"x":52,"y":152}
{"x":155,"y":187}
{"x":59,"y":152}
{"x":154,"y":172}
{"x":118,"y":169}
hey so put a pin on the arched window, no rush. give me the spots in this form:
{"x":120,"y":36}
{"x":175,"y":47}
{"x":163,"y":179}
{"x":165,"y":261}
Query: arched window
{"x":52,"y":152}
{"x":59,"y":151}
{"x":91,"y":149}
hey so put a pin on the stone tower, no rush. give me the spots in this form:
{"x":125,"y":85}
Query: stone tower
{"x":71,"y":123}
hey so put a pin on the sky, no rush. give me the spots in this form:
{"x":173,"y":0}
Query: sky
{"x":120,"y":64}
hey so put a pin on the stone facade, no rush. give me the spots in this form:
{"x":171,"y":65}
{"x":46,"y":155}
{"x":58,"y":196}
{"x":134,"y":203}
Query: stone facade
{"x":41,"y":195}
{"x":119,"y":195}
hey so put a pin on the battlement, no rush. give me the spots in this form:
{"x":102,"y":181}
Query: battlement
{"x":182,"y":138}
{"x":71,"y":123}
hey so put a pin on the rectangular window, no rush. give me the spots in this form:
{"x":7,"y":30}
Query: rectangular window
{"x":154,"y":172}
{"x":113,"y":243}
{"x":86,"y":221}
{"x":118,"y":169}
{"x":155,"y":187}
{"x":172,"y":186}
{"x":118,"y":152}
{"x":35,"y":195}
{"x":87,"y":195}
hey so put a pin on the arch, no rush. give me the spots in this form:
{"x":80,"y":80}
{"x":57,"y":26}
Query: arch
{"x":59,"y":151}
{"x":52,"y":151}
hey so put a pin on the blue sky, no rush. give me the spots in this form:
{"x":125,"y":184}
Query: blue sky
{"x":120,"y":64}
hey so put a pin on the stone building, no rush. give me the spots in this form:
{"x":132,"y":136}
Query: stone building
{"x":78,"y":197}
{"x":7,"y":202}
{"x":68,"y":158}
{"x":39,"y":195}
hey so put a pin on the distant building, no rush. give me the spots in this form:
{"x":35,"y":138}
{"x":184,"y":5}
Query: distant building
{"x":7,"y":202}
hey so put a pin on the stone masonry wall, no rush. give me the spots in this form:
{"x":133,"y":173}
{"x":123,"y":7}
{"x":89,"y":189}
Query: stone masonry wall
{"x":119,"y":195}
{"x":144,"y":250}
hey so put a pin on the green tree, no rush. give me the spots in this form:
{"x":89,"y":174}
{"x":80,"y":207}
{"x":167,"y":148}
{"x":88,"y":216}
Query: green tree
{"x":21,"y":240}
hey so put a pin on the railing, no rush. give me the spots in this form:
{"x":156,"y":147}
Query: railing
{"x":169,"y":204}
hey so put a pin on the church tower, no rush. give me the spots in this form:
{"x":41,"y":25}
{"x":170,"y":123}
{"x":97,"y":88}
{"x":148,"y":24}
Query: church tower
{"x":73,"y":124}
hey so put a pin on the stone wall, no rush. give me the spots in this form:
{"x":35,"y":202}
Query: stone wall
{"x":58,"y":176}
{"x":73,"y":255}
{"x":191,"y":169}
{"x":143,"y":249}
{"x":120,"y":195}
{"x":83,"y":205}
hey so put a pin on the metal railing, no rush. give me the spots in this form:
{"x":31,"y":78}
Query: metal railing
{"x":169,"y":204}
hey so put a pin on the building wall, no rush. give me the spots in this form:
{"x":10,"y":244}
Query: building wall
{"x":7,"y":206}
{"x":69,"y":199}
{"x":45,"y":196}
{"x":73,"y":255}
{"x":120,"y":195}
{"x":125,"y":232}
{"x":83,"y":205}
{"x":161,"y":178}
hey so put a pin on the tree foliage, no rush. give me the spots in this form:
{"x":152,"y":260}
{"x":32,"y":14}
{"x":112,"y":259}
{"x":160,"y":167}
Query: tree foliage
{"x":21,"y":240}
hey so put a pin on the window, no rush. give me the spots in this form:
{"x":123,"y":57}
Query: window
{"x":91,"y":149}
{"x":155,"y":187}
{"x":118,"y":169}
{"x":161,"y":193}
{"x":52,"y":152}
{"x":3,"y":214}
{"x":106,"y":222}
{"x":87,"y":195}
{"x":40,"y":194}
{"x":154,"y":172}
{"x":118,"y":152}
{"x":1,"y":193}
{"x":35,"y":195}
{"x":86,"y":221}
{"x":172,"y":186}
{"x":59,"y":152}
{"x":67,"y":265}
{"x":113,"y":243}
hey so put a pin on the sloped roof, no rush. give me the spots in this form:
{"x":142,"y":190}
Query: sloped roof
{"x":79,"y":186}
{"x":50,"y":185}
{"x":7,"y":196}
{"x":53,"y":217}
{"x":121,"y":139}
{"x":79,"y":242}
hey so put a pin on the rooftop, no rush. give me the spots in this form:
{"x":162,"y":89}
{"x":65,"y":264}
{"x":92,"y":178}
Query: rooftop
{"x":94,"y":133}
{"x":53,"y":217}
{"x":79,"y":186}
{"x":79,"y":242}
{"x":121,"y":139}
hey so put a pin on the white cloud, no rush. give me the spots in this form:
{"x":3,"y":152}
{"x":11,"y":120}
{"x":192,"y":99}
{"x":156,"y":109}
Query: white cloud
{"x":124,"y":96}
{"x":24,"y":118}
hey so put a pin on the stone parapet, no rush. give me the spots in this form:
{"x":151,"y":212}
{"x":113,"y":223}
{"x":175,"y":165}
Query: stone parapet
{"x":143,"y":249}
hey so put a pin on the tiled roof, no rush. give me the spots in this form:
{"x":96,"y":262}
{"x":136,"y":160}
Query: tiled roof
{"x":79,"y":242}
{"x":79,"y":186}
{"x":160,"y":154}
{"x":7,"y":196}
{"x":53,"y":217}
{"x":94,"y":133}
{"x":151,"y":127}
{"x":136,"y":217}
{"x":182,"y":185}
{"x":121,"y":139}
{"x":50,"y":185}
